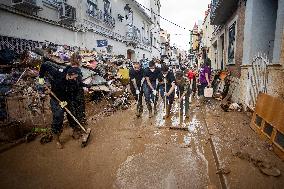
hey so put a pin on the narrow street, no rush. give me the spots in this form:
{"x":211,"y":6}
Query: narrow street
{"x":126,"y":152}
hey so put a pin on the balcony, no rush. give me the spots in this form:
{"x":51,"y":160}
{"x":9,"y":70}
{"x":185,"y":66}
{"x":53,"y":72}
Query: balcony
{"x":146,"y":41}
{"x":221,"y":10}
{"x":67,"y":13}
{"x":109,"y":20}
{"x":28,"y":5}
{"x":97,"y":14}
{"x":133,"y":35}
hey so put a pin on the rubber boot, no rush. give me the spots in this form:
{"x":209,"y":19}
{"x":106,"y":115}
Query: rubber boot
{"x":57,"y":140}
{"x":150,"y":110}
{"x":186,"y":114}
{"x":155,"y":109}
{"x":139,"y":112}
{"x":168,"y":111}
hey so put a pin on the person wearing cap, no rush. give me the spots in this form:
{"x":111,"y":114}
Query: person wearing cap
{"x":150,"y":86}
{"x":183,"y":91}
{"x":167,"y":88}
{"x":136,"y":74}
{"x":66,"y":85}
{"x":75,"y":91}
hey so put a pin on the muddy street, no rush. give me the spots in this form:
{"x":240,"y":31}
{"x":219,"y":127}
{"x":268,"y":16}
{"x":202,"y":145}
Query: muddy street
{"x":126,"y":152}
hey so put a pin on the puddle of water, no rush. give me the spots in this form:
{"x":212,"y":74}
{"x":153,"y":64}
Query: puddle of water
{"x":157,"y":133}
{"x":194,"y":125}
{"x":174,"y":137}
{"x":186,"y":139}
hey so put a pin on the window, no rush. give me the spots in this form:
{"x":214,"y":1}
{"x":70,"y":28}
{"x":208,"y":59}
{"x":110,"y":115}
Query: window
{"x":107,"y":7}
{"x":231,"y":43}
{"x":53,"y":3}
{"x":92,"y":6}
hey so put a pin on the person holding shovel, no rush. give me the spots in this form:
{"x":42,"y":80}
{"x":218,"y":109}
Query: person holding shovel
{"x":64,"y":84}
{"x":183,"y":90}
{"x":136,"y":75}
{"x":150,"y":86}
{"x":167,"y":89}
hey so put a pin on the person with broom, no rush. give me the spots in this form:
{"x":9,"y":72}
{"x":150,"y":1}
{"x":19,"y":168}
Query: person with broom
{"x":136,"y":74}
{"x":167,"y":89}
{"x":183,"y":92}
{"x":150,"y":86}
{"x":66,"y":85}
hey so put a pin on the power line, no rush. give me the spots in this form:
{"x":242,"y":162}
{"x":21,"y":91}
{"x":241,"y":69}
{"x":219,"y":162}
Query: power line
{"x":161,"y":16}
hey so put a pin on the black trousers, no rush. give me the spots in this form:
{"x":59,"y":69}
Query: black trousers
{"x":77,"y":108}
{"x":138,"y":98}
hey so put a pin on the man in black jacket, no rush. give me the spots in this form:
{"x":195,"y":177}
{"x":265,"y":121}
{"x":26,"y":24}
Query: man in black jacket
{"x":167,"y":89}
{"x":67,"y":86}
{"x":136,"y":74}
{"x":150,"y":86}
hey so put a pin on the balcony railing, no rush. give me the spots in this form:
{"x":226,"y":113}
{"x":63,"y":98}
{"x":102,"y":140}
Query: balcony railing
{"x":133,"y":34}
{"x":146,"y":41}
{"x":109,"y":20}
{"x":221,"y":10}
{"x":97,"y":14}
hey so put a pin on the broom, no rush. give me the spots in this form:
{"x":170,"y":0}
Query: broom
{"x":87,"y":132}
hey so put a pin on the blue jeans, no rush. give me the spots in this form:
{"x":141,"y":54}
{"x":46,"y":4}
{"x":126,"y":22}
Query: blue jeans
{"x":148,"y":93}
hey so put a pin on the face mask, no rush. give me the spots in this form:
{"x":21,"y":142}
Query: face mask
{"x":71,"y":82}
{"x":152,"y":69}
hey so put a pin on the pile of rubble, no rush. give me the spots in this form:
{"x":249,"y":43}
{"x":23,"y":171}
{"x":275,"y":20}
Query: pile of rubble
{"x":104,"y":73}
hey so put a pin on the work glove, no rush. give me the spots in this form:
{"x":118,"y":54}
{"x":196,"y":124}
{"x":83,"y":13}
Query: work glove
{"x":137,"y":92}
{"x":41,"y":81}
{"x":154,"y":92}
{"x":63,"y":104}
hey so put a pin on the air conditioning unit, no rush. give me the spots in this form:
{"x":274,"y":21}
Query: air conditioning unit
{"x":67,"y":13}
{"x":28,"y":5}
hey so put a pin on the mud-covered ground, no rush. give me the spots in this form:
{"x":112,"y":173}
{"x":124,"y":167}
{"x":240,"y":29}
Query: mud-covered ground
{"x":126,"y":152}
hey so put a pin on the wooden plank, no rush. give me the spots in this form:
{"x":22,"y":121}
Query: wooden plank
{"x":271,"y":110}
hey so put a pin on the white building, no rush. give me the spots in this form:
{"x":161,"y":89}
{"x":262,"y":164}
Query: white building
{"x":124,"y":25}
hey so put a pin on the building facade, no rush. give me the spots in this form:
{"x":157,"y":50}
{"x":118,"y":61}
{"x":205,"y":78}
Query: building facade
{"x":165,"y":39}
{"x":244,"y":30}
{"x":120,"y":27}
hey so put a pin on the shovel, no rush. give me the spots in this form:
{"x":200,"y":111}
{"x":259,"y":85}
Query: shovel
{"x":87,"y":132}
{"x":179,"y":107}
{"x":155,"y":97}
{"x":165,"y":81}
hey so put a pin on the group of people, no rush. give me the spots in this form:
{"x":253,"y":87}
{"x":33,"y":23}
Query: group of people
{"x":152,"y":81}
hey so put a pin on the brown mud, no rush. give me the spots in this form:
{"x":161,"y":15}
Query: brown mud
{"x":126,"y":152}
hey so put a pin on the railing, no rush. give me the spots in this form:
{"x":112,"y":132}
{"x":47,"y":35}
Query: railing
{"x":97,"y":14}
{"x":258,"y":79}
{"x":214,"y":4}
{"x":133,"y":34}
{"x":146,"y":41}
{"x":109,"y":20}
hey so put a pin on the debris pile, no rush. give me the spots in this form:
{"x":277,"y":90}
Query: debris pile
{"x":19,"y":80}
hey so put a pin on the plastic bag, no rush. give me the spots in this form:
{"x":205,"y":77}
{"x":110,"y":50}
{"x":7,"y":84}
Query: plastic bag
{"x":208,"y":92}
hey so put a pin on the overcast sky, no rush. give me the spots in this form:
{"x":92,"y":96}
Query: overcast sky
{"x":184,"y":13}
